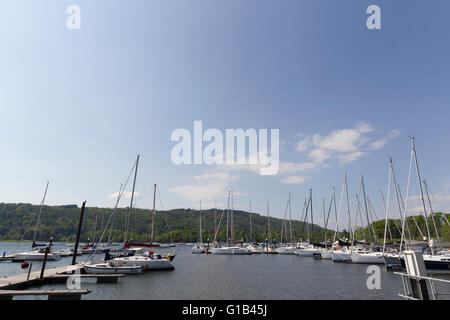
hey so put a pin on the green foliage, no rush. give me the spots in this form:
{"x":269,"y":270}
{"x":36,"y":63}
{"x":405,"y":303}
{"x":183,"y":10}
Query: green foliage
{"x":61,"y":222}
{"x":411,"y":224}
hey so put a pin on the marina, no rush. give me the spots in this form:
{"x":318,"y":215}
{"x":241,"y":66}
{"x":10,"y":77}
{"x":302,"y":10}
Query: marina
{"x":224,"y":159}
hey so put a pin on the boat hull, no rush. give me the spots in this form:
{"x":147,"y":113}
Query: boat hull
{"x":327,"y":255}
{"x":392,"y":261}
{"x":231,"y":251}
{"x":340,"y":256}
{"x":103,"y":269}
{"x":287,"y":250}
{"x":367,"y":258}
{"x":32,"y":256}
{"x":147,"y":264}
{"x":307,"y":252}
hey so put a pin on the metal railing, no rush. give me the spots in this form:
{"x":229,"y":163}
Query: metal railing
{"x":416,"y":287}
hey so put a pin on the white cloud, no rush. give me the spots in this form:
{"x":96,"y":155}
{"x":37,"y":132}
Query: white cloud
{"x":344,"y":145}
{"x":293,"y":167}
{"x":319,"y":155}
{"x":216,"y":175}
{"x":350,"y":157}
{"x":294,"y":179}
{"x":206,"y":187}
{"x":207,"y":191}
{"x":125,"y":195}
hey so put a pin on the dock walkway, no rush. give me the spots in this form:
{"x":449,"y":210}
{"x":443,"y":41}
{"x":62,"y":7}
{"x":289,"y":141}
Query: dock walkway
{"x":22,"y":280}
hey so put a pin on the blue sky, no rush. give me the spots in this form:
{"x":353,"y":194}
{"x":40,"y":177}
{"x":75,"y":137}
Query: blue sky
{"x":77,"y":106}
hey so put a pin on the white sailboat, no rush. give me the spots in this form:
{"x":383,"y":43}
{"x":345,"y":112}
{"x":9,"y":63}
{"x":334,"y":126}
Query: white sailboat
{"x":287,"y":248}
{"x":37,"y":254}
{"x":307,"y":249}
{"x":199,"y":247}
{"x":148,"y":261}
{"x":107,"y":268}
{"x":228,"y":249}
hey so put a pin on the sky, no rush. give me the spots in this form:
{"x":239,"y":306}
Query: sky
{"x":78,"y":106}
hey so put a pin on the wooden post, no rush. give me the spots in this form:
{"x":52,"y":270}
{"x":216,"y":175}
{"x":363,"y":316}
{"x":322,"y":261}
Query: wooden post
{"x":29,"y":271}
{"x":80,"y":223}
{"x":47,"y":249}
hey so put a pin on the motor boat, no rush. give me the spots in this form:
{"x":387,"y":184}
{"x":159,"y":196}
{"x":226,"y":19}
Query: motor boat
{"x":35,"y":255}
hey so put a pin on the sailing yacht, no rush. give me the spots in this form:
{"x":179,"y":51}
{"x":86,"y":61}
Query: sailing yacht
{"x":230,"y":249}
{"x":200,"y":247}
{"x":307,"y":250}
{"x":147,"y":260}
{"x":36,"y":253}
{"x":288,"y":248}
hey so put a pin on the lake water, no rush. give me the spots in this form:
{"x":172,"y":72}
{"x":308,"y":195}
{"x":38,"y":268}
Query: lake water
{"x":203,"y":277}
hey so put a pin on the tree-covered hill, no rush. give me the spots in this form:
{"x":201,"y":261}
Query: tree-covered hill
{"x":415,"y":227}
{"x":61,"y":222}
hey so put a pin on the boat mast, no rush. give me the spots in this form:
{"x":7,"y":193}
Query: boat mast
{"x":232,"y":216}
{"x":348,"y":210}
{"x":336,"y":213}
{"x":251,"y":234}
{"x":215,"y":215}
{"x":420,"y":186}
{"x":366,"y":210}
{"x":227,"y":238}
{"x":324,"y":221}
{"x":39,"y":216}
{"x":119,"y":195}
{"x":400,"y":203}
{"x":268,"y":222}
{"x":132,"y":198}
{"x":153,"y":214}
{"x":312,"y":217}
{"x":387,"y":204}
{"x":201,"y":237}
{"x":405,"y":207}
{"x":290,"y":218}
{"x":431,"y":209}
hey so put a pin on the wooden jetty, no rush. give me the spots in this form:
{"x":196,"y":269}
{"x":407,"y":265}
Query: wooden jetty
{"x":34,"y":278}
{"x":52,"y":294}
{"x":15,"y":285}
{"x":53,"y":275}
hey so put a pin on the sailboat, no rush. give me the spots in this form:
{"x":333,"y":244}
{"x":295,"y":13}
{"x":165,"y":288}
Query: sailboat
{"x":434,"y":260}
{"x":199,"y":247}
{"x":327,"y":253}
{"x":147,"y":260}
{"x":343,"y":253}
{"x":150,"y":244}
{"x":254,"y":247}
{"x":107,"y":268}
{"x":288,"y":248}
{"x":367,"y":256}
{"x":37,"y":254}
{"x":307,"y":249}
{"x":229,"y":249}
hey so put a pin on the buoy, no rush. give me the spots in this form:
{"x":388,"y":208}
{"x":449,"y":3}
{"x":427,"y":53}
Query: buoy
{"x":25,"y":265}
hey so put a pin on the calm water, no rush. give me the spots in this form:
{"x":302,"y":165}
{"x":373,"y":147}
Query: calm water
{"x":232,"y":277}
